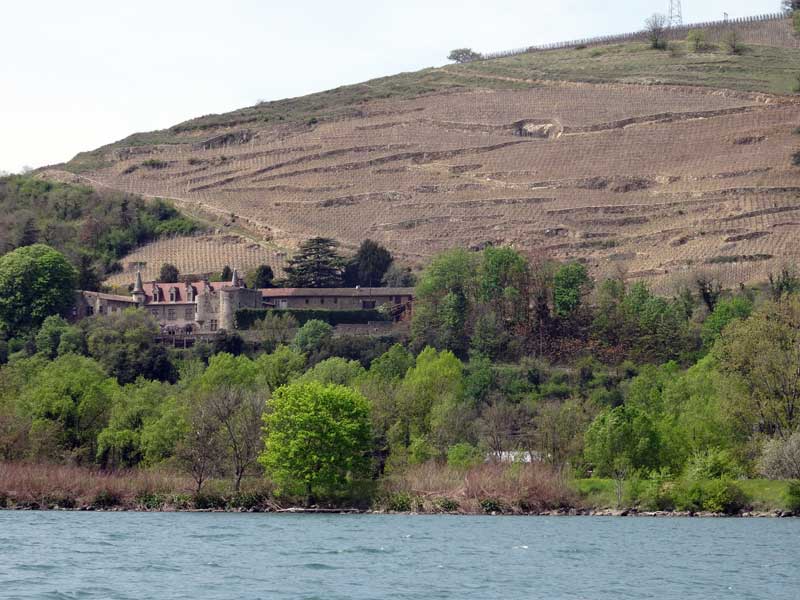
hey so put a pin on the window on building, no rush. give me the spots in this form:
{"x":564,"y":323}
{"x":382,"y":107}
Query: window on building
{"x":173,"y":294}
{"x":322,"y":300}
{"x":170,"y":314}
{"x":89,"y":310}
{"x":102,"y":310}
{"x":368,"y":304}
{"x":190,"y":293}
{"x":188,"y":313}
{"x":212,"y":325}
{"x":397,"y":299}
{"x":336,"y":301}
{"x":155,"y":312}
{"x":306,"y":300}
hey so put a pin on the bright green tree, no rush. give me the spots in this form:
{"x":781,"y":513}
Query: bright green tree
{"x":69,"y":402}
{"x":441,"y":307}
{"x":48,"y":338}
{"x":312,"y":335}
{"x":724,"y":312}
{"x":571,"y":282}
{"x":35,"y":282}
{"x":317,"y":438}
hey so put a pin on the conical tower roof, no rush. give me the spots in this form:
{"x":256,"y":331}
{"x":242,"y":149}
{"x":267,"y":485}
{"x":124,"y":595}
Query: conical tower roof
{"x":138,"y":286}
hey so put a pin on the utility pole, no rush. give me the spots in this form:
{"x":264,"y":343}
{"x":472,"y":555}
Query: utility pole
{"x":675,"y":13}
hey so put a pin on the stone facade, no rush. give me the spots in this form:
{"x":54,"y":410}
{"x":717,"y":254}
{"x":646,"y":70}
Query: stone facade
{"x":186,"y":307}
{"x":196,"y":307}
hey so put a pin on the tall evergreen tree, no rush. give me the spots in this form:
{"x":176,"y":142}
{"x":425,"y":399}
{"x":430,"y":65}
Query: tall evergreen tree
{"x":316,"y":265}
{"x":169,"y":273}
{"x":368,"y":266}
{"x":261,"y":277}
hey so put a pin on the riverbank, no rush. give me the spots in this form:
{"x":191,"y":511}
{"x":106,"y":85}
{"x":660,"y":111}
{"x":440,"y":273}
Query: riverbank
{"x":423,"y":489}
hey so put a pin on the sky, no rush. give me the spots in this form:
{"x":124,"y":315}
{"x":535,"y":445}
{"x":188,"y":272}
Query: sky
{"x":77,"y":75}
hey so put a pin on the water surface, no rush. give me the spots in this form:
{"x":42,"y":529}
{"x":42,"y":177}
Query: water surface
{"x":74,"y":555}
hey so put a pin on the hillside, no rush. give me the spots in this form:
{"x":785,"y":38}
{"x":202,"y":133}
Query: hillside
{"x":657,"y":163}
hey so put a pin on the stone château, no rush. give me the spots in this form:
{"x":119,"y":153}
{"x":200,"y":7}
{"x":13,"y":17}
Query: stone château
{"x":201,"y":306}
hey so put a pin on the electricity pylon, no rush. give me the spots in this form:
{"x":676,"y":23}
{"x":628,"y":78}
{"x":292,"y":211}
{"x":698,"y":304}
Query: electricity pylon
{"x":675,"y":13}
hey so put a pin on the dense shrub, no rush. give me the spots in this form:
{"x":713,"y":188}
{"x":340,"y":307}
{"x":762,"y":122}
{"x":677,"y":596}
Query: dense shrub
{"x":713,"y":464}
{"x":717,"y":496}
{"x":792,"y":497}
{"x":463,"y":456}
{"x":106,"y":499}
{"x":209,"y":500}
{"x":247,"y":317}
{"x":400,"y":502}
{"x":447,"y":505}
{"x":724,"y":496}
{"x":491,"y":505}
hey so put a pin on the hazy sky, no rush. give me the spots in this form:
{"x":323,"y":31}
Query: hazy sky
{"x":76,"y":75}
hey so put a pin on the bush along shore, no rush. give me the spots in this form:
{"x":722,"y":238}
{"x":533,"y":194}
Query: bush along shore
{"x":490,"y":489}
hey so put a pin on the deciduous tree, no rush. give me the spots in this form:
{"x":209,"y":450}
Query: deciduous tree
{"x":317,"y":438}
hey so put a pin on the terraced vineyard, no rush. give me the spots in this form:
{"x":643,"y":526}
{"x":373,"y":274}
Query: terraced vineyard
{"x":197,"y":255}
{"x":566,"y":153}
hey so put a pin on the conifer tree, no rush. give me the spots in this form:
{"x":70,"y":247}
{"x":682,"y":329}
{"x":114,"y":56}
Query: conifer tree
{"x":316,"y":265}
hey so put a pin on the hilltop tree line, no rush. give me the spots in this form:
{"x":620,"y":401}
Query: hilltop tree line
{"x":506,"y":355}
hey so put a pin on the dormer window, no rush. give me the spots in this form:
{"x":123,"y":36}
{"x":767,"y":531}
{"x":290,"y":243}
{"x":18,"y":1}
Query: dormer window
{"x":173,"y":294}
{"x":190,"y":293}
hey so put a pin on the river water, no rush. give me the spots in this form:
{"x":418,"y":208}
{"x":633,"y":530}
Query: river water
{"x":328,"y":557}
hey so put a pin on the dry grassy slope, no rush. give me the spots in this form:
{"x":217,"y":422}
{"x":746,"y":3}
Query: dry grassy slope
{"x":563,"y":152}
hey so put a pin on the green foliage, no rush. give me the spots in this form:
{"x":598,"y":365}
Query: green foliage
{"x":277,"y":369}
{"x":69,"y":402}
{"x":713,"y":464}
{"x":136,"y":408}
{"x":124,"y":343}
{"x":463,"y":456}
{"x":724,"y":312}
{"x":398,"y":276}
{"x":106,"y":499}
{"x":261,"y":277}
{"x":315,"y":265}
{"x":246,"y":318}
{"x":93,"y":229}
{"x":334,"y":370}
{"x":312,"y":335}
{"x":447,"y":505}
{"x":792,"y":497}
{"x":571,"y":282}
{"x":48,"y":338}
{"x":35,"y":282}
{"x":698,"y":40}
{"x":317,"y":438}
{"x":491,"y":505}
{"x":723,"y":496}
{"x":463,"y":55}
{"x":168,"y":273}
{"x":369,"y":265}
{"x":441,"y":305}
{"x":760,"y":356}
{"x":622,"y":440}
{"x":399,"y":502}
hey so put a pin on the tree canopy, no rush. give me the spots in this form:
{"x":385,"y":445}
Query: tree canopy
{"x":315,"y":265}
{"x":35,"y":282}
{"x":317,"y":437}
